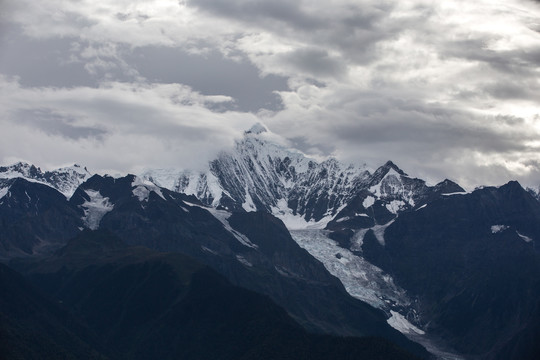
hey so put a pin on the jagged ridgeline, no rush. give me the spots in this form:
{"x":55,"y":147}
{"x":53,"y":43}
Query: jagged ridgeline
{"x":343,"y":249}
{"x":260,"y":174}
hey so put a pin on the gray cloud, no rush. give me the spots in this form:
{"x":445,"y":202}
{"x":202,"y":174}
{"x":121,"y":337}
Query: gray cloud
{"x":44,"y":62}
{"x":352,"y":28}
{"x":52,"y":123}
{"x":210,"y":74}
{"x":284,"y":12}
{"x":316,"y":62}
{"x":445,"y":89}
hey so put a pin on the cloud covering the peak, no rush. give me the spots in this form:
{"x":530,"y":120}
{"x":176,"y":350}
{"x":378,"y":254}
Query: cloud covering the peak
{"x":444,"y":89}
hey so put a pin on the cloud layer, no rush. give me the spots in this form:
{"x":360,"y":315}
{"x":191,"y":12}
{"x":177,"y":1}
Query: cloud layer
{"x":445,"y":89}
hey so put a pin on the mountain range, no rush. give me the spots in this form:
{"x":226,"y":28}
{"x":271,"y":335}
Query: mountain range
{"x":340,"y":250}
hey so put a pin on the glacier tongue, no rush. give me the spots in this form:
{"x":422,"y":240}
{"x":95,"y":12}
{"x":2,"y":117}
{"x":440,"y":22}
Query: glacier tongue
{"x":360,"y":278}
{"x":398,"y":322}
{"x":369,"y":283}
{"x":95,"y":209}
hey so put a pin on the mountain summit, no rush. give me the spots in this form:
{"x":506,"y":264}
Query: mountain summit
{"x":66,"y":179}
{"x":256,"y":129}
{"x":259,"y":174}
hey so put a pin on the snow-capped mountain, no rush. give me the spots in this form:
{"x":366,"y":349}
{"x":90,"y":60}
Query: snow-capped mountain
{"x":535,"y":192}
{"x":66,"y":180}
{"x":424,"y":255}
{"x":253,"y":249}
{"x":260,"y":174}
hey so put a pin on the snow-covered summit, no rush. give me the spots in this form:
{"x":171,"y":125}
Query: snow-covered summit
{"x":19,"y":169}
{"x":257,"y":129}
{"x":259,"y":173}
{"x":535,"y":192}
{"x":66,"y":179}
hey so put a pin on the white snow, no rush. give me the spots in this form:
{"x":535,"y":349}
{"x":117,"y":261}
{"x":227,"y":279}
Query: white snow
{"x":166,"y":178}
{"x":66,"y":179}
{"x":222,"y":216}
{"x":214,"y":188}
{"x":498,"y":228}
{"x":95,"y":209}
{"x":142,"y":188}
{"x":345,"y":218}
{"x":358,"y":239}
{"x":524,"y":237}
{"x":391,"y":182}
{"x":4,"y":191}
{"x":243,"y":261}
{"x":360,"y":278}
{"x":398,"y":322}
{"x":258,"y":128}
{"x":248,"y":205}
{"x":395,"y":206}
{"x":192,"y":187}
{"x":265,"y":168}
{"x":379,"y":230}
{"x":209,"y":250}
{"x":456,"y":193}
{"x":298,"y":222}
{"x":368,"y":201}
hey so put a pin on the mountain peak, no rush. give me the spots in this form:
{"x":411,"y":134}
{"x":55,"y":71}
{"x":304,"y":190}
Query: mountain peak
{"x":256,"y":129}
{"x":64,"y":179}
{"x":390,"y":165}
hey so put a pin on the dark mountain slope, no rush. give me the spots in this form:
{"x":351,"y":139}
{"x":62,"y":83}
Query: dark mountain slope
{"x":38,"y":219}
{"x":147,"y":305}
{"x":34,"y":218}
{"x":252,"y":250}
{"x":34,"y":327}
{"x":473,"y":262}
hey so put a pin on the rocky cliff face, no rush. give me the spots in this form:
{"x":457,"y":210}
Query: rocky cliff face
{"x":252,"y":249}
{"x":66,"y":180}
{"x":472,"y":261}
{"x":259,"y":174}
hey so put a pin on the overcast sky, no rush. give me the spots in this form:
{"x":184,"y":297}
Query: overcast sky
{"x":445,"y":89}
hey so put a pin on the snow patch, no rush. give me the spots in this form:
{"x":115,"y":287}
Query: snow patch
{"x":248,"y":205}
{"x":142,"y":188}
{"x":3,"y":191}
{"x":398,"y":322}
{"x":395,"y":205}
{"x":456,"y":193}
{"x":95,"y":209}
{"x":214,"y":188}
{"x":343,"y":219}
{"x":297,"y":222}
{"x":379,"y":230}
{"x":209,"y":250}
{"x":524,"y":237}
{"x":368,"y":201}
{"x":498,"y":228}
{"x":358,"y":239}
{"x":243,"y":261}
{"x":222,"y":216}
{"x":166,"y":178}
